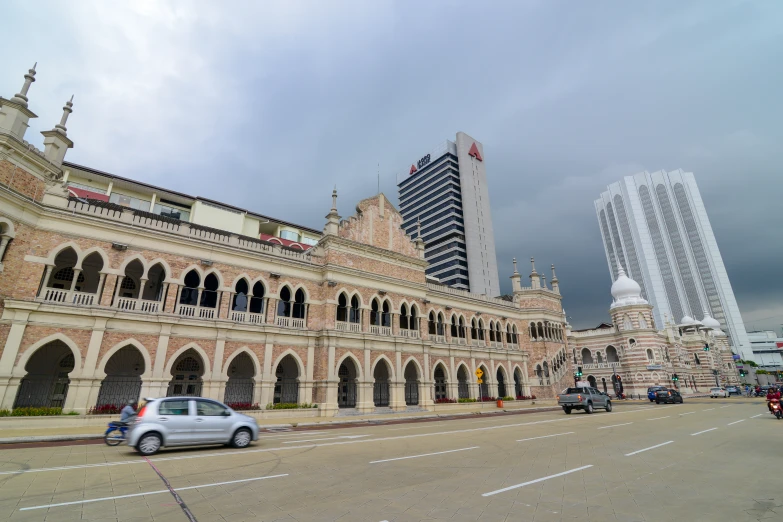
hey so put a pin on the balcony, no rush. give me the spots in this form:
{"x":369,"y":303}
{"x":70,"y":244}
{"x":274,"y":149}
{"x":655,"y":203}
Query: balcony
{"x":195,"y":311}
{"x":247,"y":317}
{"x":411,"y":334}
{"x":440,"y":339}
{"x":140,"y":305}
{"x":380,"y":330}
{"x":344,"y":326}
{"x":495,"y":344}
{"x":57,"y":295}
{"x":290,"y":322}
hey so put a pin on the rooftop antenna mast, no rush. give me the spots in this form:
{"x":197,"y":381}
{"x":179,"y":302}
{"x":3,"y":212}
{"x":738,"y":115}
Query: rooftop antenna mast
{"x":379,"y":178}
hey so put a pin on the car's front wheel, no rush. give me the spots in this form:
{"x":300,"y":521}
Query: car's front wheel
{"x":241,"y":438}
{"x":149,"y":444}
{"x":608,"y":405}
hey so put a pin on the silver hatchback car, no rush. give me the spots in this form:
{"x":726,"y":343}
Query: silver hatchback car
{"x":188,"y":421}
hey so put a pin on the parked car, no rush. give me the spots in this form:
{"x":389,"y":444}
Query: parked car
{"x":189,"y":421}
{"x":718,"y":392}
{"x":733,"y":390}
{"x":668,"y":395}
{"x":651,"y":392}
{"x":584,"y":398}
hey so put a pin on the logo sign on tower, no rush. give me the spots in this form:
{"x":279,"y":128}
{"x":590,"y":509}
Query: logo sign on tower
{"x":475,"y":152}
{"x":419,"y":164}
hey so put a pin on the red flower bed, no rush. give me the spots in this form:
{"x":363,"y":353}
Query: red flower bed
{"x":445,"y":401}
{"x":108,"y":409}
{"x":243,"y":406}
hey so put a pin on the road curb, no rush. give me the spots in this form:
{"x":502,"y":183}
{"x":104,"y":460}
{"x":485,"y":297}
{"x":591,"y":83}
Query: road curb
{"x":49,"y":438}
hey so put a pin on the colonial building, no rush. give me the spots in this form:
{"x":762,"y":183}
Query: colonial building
{"x":111,"y":290}
{"x":632,"y":353}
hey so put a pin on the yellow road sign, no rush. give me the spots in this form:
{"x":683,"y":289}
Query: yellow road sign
{"x":479,"y":380}
{"x":479,"y":373}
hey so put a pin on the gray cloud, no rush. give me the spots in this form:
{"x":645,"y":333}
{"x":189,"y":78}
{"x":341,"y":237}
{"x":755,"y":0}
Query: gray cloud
{"x":268,"y":105}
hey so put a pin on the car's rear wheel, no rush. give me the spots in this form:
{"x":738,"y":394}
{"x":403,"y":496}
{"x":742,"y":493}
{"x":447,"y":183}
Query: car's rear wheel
{"x":589,"y":408}
{"x":608,"y":405}
{"x":149,"y":444}
{"x":567,"y":409}
{"x":657,"y":402}
{"x":241,"y":438}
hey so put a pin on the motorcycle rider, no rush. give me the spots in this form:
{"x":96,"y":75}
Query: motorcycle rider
{"x":772,"y":394}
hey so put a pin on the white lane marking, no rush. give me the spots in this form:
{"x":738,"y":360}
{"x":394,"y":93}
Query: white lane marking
{"x":266,"y":450}
{"x":330,"y":438}
{"x":648,"y":449}
{"x":735,"y":422}
{"x":659,"y":418}
{"x":424,"y":455}
{"x":615,"y":425}
{"x":708,"y":409}
{"x":546,"y":436}
{"x":705,"y":431}
{"x":87,"y":501}
{"x":687,"y":413}
{"x":725,"y":406}
{"x":535,"y":481}
{"x":759,"y":415}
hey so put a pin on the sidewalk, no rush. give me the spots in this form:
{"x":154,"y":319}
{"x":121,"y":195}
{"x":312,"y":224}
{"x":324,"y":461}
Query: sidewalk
{"x":15,"y":430}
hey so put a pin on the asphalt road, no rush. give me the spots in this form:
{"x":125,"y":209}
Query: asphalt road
{"x":711,"y":460}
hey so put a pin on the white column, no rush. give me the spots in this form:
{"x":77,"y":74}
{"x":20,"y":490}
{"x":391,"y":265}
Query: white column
{"x":268,"y":379}
{"x":47,"y":275}
{"x":9,"y":385}
{"x":142,"y":284}
{"x":76,"y":272}
{"x":3,"y":244}
{"x":158,"y":385}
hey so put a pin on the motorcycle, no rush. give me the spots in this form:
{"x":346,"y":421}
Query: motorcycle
{"x":774,"y":405}
{"x":115,"y":433}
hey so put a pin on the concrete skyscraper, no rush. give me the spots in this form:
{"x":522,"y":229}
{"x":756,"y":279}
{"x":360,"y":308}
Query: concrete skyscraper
{"x":656,"y":227}
{"x":446,"y":192}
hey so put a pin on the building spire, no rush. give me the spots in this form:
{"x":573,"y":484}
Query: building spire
{"x":516,"y":279}
{"x":332,"y":218}
{"x":535,"y":281}
{"x":418,"y":227}
{"x":555,"y":283}
{"x":516,"y":272}
{"x":29,"y":78}
{"x":67,"y":110}
{"x":620,"y":271}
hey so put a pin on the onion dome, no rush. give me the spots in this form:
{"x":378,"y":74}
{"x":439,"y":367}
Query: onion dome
{"x":626,"y":291}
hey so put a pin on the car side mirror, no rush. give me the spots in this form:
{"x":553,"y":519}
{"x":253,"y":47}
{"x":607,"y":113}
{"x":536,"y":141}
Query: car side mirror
{"x":227,"y":413}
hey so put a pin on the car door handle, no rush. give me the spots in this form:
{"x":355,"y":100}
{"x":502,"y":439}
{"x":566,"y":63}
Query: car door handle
{"x":163,"y":419}
{"x":199,"y":420}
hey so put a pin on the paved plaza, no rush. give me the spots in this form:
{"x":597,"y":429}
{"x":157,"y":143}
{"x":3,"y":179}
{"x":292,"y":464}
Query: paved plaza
{"x":711,"y":460}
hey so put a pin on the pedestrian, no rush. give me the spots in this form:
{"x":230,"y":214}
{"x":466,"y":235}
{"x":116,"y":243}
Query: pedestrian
{"x":127,"y":412}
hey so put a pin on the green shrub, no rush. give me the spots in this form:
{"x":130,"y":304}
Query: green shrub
{"x":32,"y":411}
{"x":508,"y":398}
{"x":467,"y":400}
{"x":289,"y":406}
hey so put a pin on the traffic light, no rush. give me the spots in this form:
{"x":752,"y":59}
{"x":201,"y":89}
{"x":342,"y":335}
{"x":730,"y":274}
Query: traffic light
{"x":742,"y":373}
{"x":619,"y":379}
{"x":706,"y":347}
{"x":675,"y":378}
{"x":578,"y":371}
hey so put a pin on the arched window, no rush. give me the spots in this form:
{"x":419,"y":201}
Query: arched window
{"x":532,"y":332}
{"x":642,"y":322}
{"x":284,"y":305}
{"x":413,"y":321}
{"x":454,"y":334}
{"x":461,"y":330}
{"x":403,"y":317}
{"x":209,"y":295}
{"x":509,"y":335}
{"x":292,"y":313}
{"x":696,"y":358}
{"x":441,"y":324}
{"x":498,"y":333}
{"x":342,"y":309}
{"x":599,"y":358}
{"x":650,"y":356}
{"x":611,"y":354}
{"x":375,"y":313}
{"x":587,"y":357}
{"x":627,"y":325}
{"x":240,"y":301}
{"x":481,"y":329}
{"x":473,"y":332}
{"x":355,"y":314}
{"x":540,"y":330}
{"x":189,"y":293}
{"x":386,"y":315}
{"x":257,"y":298}
{"x":492,"y":331}
{"x":300,"y":308}
{"x":431,"y":323}
{"x":540,"y":375}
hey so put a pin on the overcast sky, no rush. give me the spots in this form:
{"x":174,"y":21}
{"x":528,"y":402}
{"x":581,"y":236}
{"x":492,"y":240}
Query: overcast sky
{"x":268,"y":105}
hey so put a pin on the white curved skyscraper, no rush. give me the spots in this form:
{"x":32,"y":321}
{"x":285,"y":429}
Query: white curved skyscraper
{"x":656,"y":226}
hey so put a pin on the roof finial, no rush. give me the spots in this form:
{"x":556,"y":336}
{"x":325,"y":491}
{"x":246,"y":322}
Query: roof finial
{"x":334,"y":199}
{"x":554,"y":276}
{"x":620,"y":271}
{"x":29,"y":78}
{"x":418,"y":227}
{"x":533,"y":264}
{"x":67,"y":110}
{"x":515,"y":266}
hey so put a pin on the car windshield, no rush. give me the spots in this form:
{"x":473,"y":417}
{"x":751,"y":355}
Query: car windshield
{"x":654,"y":388}
{"x":715,"y":389}
{"x":568,"y":391}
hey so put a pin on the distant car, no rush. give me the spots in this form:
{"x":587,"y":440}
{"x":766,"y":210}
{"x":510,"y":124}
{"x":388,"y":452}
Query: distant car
{"x":733,"y":390}
{"x":718,"y":392}
{"x":668,"y":395}
{"x":189,"y":421}
{"x":651,"y":392}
